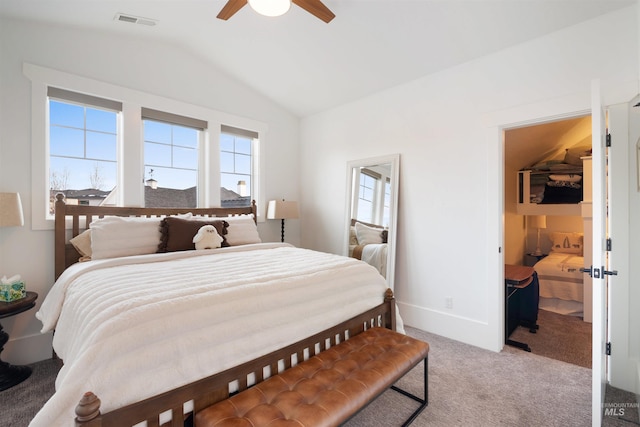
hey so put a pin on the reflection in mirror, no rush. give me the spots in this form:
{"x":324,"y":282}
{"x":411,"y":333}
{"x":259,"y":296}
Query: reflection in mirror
{"x":372,"y":203}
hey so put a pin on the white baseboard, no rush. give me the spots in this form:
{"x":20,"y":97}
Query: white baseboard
{"x":468,"y":331}
{"x":29,"y":349}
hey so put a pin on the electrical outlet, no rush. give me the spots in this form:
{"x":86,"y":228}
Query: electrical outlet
{"x":448,"y":301}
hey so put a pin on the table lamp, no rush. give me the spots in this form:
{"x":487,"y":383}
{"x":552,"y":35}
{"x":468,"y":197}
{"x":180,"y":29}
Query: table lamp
{"x":279,"y":209}
{"x":538,"y":221}
{"x":11,"y":210}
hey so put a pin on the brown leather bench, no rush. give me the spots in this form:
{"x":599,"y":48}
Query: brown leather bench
{"x":327,"y":389}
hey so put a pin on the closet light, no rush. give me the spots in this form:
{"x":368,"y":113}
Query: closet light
{"x":270,"y":7}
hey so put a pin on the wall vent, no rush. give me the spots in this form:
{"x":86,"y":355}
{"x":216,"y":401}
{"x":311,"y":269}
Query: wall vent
{"x":135,"y":19}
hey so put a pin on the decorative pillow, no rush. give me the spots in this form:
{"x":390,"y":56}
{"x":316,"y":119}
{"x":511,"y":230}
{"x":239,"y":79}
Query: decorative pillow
{"x":567,"y":243}
{"x":116,"y":236}
{"x":353,"y":239}
{"x":82,"y":243}
{"x":367,"y":235}
{"x":573,"y":155}
{"x":176,"y":234}
{"x":242,"y":230}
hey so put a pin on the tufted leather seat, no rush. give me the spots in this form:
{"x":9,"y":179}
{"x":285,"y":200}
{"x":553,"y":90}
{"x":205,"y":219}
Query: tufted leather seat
{"x":327,"y":389}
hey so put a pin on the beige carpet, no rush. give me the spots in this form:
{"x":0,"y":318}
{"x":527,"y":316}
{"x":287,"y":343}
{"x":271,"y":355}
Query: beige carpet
{"x":564,"y":338}
{"x":468,"y":386}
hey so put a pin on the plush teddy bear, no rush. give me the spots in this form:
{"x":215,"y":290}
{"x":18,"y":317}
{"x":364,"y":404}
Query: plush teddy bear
{"x":207,"y":238}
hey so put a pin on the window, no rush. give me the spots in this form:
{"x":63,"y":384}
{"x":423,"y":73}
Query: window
{"x":237,"y":147}
{"x":366,"y":194}
{"x":171,"y":159}
{"x":105,"y":139}
{"x":374,"y":197}
{"x":387,"y":203}
{"x":83,"y":136}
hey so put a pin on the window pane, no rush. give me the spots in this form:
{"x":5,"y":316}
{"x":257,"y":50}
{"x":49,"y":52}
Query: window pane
{"x":171,"y":165}
{"x":226,"y":162}
{"x":101,"y":146}
{"x":236,"y":170}
{"x":63,"y":114}
{"x":243,"y":146}
{"x":82,"y":152}
{"x":66,"y":142}
{"x":178,"y":179}
{"x":226,"y":142}
{"x":185,"y":158}
{"x":185,"y":137}
{"x":101,"y":120}
{"x":157,"y":154}
{"x":387,"y":203}
{"x":243,"y":164}
{"x":80,"y":174}
{"x":157,"y":132}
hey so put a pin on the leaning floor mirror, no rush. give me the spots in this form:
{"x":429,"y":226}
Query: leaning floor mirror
{"x":372,"y":210}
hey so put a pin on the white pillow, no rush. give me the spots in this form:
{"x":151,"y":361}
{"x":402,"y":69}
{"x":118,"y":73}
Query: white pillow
{"x":82,"y":243}
{"x":116,"y":236}
{"x":567,"y":243}
{"x":568,"y":178}
{"x":242,"y":230}
{"x":367,"y":235}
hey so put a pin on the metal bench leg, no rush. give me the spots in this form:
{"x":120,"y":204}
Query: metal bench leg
{"x":423,"y":401}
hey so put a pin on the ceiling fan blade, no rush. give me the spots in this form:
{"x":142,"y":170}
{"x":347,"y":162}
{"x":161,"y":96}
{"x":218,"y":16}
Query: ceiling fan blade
{"x":231,"y":8}
{"x":316,"y":8}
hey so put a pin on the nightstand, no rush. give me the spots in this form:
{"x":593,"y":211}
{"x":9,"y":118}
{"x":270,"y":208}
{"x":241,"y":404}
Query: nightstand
{"x":11,"y":375}
{"x":532,"y":258}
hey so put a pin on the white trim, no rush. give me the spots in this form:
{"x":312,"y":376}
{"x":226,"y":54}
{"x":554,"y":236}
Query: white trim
{"x":130,"y":147}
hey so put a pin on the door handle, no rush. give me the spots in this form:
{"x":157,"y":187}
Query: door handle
{"x":595,"y":272}
{"x":586,"y":270}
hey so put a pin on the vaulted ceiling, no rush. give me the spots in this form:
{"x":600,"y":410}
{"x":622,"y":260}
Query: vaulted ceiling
{"x":306,"y":65}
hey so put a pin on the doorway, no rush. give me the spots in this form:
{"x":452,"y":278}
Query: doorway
{"x":546,"y":176}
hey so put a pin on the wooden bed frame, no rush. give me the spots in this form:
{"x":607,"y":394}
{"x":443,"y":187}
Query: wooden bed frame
{"x":217,"y":387}
{"x":82,"y":215}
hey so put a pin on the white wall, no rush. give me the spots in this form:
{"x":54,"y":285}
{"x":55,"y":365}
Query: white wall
{"x":160,"y":69}
{"x":447,"y":129}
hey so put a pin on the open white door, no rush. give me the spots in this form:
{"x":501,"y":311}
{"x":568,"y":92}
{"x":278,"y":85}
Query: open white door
{"x":599,"y":269}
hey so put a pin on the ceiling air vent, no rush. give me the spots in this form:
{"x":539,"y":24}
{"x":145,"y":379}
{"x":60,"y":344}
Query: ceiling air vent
{"x":135,"y":19}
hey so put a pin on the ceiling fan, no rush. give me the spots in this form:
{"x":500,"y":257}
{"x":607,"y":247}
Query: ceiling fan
{"x":277,"y":8}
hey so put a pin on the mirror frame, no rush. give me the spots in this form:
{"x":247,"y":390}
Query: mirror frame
{"x":394,"y":160}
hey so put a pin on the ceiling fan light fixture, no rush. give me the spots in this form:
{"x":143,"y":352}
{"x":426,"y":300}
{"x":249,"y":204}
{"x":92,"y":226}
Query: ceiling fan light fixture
{"x":270,"y":7}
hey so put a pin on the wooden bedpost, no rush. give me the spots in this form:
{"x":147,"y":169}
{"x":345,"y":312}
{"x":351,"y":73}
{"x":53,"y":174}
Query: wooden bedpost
{"x":59,"y":237}
{"x":254,"y":209}
{"x":388,"y":297}
{"x":88,"y":411}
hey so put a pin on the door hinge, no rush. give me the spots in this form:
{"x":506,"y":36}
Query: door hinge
{"x":609,"y":244}
{"x":608,"y":349}
{"x":608,"y":140}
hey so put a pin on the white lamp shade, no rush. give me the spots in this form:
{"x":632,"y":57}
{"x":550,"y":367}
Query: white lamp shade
{"x":538,"y":221}
{"x":10,"y":210}
{"x":279,"y":209}
{"x":270,"y":7}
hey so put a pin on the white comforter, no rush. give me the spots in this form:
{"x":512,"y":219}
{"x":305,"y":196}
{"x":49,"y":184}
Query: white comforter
{"x":375,"y":254}
{"x":560,"y":277}
{"x":129,"y":328}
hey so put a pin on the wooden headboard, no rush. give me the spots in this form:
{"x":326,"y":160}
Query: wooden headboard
{"x":82,"y":215}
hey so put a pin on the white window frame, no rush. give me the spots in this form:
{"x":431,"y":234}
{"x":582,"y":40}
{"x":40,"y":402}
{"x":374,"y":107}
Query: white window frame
{"x":130,"y":143}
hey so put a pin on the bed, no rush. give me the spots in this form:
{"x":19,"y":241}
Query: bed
{"x":368,"y":242}
{"x":157,"y":336}
{"x":559,"y":275}
{"x":554,"y":181}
